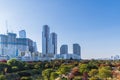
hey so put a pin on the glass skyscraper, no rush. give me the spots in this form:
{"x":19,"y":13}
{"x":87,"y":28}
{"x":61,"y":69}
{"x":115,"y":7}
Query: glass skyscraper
{"x":77,"y":49}
{"x":45,"y":40}
{"x":53,"y":43}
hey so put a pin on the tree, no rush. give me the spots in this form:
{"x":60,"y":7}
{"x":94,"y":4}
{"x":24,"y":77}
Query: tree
{"x":2,"y":77}
{"x":94,"y":78}
{"x":37,"y":66}
{"x":14,"y":68}
{"x":26,"y":78}
{"x":17,"y":63}
{"x":53,"y":75}
{"x":93,"y":64}
{"x":46,"y":74}
{"x":64,"y":69}
{"x":3,"y":68}
{"x":104,"y":73}
{"x":93,"y":72}
{"x":75,"y":71}
{"x":84,"y":68}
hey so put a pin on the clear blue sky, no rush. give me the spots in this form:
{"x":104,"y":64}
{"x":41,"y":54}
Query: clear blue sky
{"x":94,"y":24}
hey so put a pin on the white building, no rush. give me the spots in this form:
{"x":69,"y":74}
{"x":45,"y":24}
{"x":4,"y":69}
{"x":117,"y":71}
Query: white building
{"x":12,"y":46}
{"x":8,"y":44}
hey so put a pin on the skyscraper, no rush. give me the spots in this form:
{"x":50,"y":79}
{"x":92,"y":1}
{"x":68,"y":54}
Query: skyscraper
{"x":45,"y":39}
{"x":22,"y":34}
{"x":53,"y":43}
{"x":76,"y":49}
{"x":64,"y":49}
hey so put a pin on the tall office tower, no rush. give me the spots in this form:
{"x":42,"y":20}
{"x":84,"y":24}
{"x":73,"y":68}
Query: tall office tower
{"x":76,"y":49}
{"x":53,"y":43}
{"x":22,"y":34}
{"x":64,"y":49}
{"x":45,"y":40}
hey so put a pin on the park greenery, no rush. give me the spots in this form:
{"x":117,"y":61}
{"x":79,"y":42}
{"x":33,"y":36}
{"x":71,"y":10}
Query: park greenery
{"x":60,"y":70}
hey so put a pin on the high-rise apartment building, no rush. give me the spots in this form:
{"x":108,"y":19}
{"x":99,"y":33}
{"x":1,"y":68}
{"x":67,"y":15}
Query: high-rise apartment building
{"x":22,"y":34}
{"x":76,"y":49}
{"x":64,"y":49}
{"x":45,"y":40}
{"x":53,"y":43}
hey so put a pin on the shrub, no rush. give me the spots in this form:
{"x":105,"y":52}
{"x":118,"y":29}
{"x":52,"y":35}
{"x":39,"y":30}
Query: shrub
{"x":12,"y":76}
{"x":24,"y":73}
{"x":26,"y":78}
{"x":2,"y":77}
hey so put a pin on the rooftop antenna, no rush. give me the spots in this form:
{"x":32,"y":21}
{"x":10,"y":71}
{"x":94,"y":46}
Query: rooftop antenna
{"x":6,"y":26}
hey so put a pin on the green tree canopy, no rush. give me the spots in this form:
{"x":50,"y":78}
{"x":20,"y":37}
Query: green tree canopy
{"x":16,"y":64}
{"x":53,"y":75}
{"x":84,"y":68}
{"x":2,"y":77}
{"x":65,"y":69}
{"x":93,"y":72}
{"x":105,"y":73}
{"x":46,"y":74}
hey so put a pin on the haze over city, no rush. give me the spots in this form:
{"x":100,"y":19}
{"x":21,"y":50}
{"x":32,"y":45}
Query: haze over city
{"x":94,"y":24}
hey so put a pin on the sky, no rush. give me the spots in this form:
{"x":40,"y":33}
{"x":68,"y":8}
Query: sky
{"x":94,"y":24}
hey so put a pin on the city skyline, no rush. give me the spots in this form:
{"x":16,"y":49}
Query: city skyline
{"x":92,"y":24}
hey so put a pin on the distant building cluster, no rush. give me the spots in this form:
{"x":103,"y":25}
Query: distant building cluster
{"x":49,"y":42}
{"x":25,"y":49}
{"x":49,"y":47}
{"x":12,"y":46}
{"x":64,"y":54}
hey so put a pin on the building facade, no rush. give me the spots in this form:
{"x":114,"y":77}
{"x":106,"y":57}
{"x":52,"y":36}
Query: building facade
{"x":53,"y":44}
{"x":77,"y":49}
{"x":12,"y":46}
{"x":64,"y":49}
{"x":35,"y":46}
{"x":25,"y":44}
{"x":3,"y":44}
